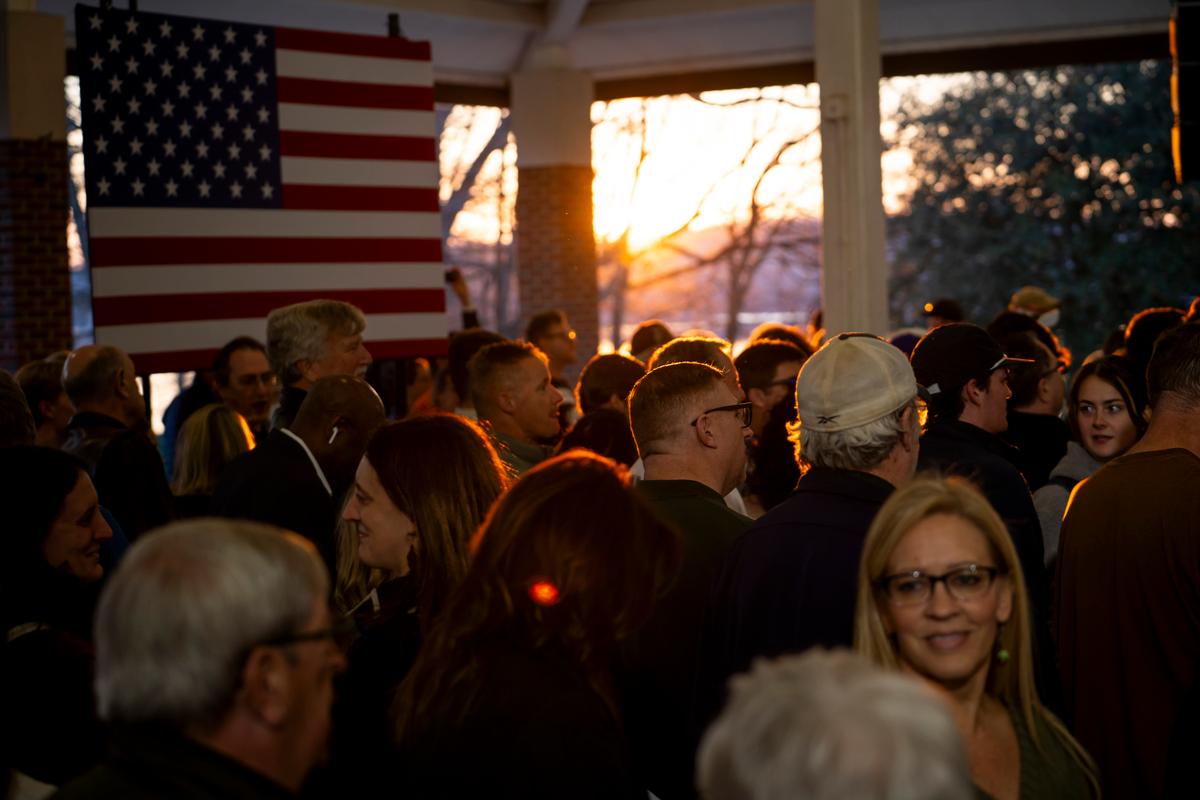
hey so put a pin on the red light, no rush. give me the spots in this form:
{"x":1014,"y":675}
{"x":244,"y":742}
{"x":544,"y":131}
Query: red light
{"x":543,"y":592}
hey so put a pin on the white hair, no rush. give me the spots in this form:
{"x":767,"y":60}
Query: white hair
{"x":301,"y":332}
{"x":858,"y":448}
{"x":185,"y":607}
{"x":831,"y":725}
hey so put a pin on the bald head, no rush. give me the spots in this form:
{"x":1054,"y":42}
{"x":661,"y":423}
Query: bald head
{"x":101,"y":378}
{"x":337,"y":419}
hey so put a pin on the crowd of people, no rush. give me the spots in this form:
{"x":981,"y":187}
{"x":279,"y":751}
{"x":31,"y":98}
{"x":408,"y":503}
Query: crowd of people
{"x":951,"y":563}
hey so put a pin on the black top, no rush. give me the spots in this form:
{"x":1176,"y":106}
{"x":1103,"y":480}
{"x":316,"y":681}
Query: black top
{"x":659,"y":665}
{"x":790,"y":582}
{"x":156,"y":762}
{"x":276,"y":483}
{"x":1041,"y":442}
{"x":361,"y":743}
{"x":954,"y":447}
{"x":535,"y":730}
{"x":290,"y":400}
{"x":126,"y":469}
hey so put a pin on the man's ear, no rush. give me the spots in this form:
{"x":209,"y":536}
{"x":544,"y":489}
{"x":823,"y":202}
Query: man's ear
{"x":307,"y":370}
{"x":118,"y":384}
{"x":972,"y":393}
{"x":506,"y":402}
{"x":757,"y":396}
{"x":46,"y":408}
{"x":912,"y":432}
{"x":266,"y":686}
{"x":704,"y":431}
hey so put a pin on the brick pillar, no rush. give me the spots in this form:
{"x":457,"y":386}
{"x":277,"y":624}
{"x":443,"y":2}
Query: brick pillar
{"x":556,"y":246}
{"x":35,"y":282}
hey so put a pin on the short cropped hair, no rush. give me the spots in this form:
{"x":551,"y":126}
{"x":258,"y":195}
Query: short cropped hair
{"x":94,"y":383}
{"x":779,"y":332}
{"x":831,"y":725}
{"x":860,"y":448}
{"x":41,"y":381}
{"x":225,"y":355}
{"x":649,"y":336}
{"x":541,"y":323}
{"x":1143,"y":331}
{"x":698,"y":349}
{"x":301,"y":332}
{"x":660,"y":400}
{"x":463,"y":346}
{"x":1175,"y":367}
{"x":604,"y":376}
{"x":490,"y":367}
{"x":206,"y":591}
{"x":1023,"y":379}
{"x":756,"y":364}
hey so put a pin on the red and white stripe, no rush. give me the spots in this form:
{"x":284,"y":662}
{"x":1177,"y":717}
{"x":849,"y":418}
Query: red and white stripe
{"x":360,"y":219}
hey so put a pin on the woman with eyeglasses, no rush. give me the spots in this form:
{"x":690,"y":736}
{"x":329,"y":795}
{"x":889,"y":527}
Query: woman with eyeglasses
{"x":941,"y":596}
{"x":1106,"y":412}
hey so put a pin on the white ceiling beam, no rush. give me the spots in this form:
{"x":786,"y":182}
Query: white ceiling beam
{"x":562,"y":18}
{"x":516,"y":14}
{"x":646,"y":10}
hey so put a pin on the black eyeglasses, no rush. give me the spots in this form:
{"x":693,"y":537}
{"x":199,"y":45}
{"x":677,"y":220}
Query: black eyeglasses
{"x":339,"y":631}
{"x":787,"y":383}
{"x":741,"y":410}
{"x":913,"y":588}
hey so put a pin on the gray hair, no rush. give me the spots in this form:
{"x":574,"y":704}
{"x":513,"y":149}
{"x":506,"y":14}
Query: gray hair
{"x":301,"y":332}
{"x":831,"y":725}
{"x":184,"y":609}
{"x":858,"y":448}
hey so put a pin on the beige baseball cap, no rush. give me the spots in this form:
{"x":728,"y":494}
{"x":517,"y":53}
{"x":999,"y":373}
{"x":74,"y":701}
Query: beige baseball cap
{"x":854,"y":379}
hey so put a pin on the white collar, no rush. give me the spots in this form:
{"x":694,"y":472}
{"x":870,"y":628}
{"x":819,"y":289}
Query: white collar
{"x":312,"y":458}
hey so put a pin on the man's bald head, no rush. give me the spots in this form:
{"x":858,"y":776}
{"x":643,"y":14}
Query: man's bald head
{"x":337,"y":419}
{"x":101,"y":378}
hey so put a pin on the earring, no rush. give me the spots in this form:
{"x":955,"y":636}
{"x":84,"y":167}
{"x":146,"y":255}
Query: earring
{"x":333,"y":435}
{"x":1001,"y":653}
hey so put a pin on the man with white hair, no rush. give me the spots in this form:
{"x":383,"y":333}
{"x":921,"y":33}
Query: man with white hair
{"x":789,"y":584}
{"x":831,"y":725}
{"x":215,"y":663}
{"x":313,"y":340}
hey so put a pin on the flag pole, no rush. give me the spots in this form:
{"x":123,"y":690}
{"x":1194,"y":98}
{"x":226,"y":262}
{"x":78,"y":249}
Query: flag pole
{"x":394,"y":30}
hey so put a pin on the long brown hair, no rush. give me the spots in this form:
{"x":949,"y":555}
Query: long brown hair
{"x":443,"y":472}
{"x":573,"y":529}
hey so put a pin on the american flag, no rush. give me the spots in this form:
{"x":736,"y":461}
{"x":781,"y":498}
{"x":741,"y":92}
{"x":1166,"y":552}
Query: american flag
{"x":232,"y":169}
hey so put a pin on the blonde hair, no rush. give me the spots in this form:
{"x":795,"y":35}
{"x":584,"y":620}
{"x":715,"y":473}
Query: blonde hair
{"x":208,"y":441}
{"x":1009,"y":681}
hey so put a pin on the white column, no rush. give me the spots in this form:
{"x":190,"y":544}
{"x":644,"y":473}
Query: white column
{"x":854,"y":274}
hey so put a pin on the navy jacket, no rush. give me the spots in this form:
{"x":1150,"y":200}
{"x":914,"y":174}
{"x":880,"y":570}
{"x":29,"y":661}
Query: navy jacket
{"x":790,"y":582}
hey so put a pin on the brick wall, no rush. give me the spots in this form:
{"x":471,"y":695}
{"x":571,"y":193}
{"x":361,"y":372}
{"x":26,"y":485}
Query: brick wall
{"x":35,"y":283}
{"x":556,"y":248}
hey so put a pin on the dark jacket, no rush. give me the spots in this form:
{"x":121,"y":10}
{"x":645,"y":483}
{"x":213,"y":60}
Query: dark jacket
{"x":791,"y":583}
{"x":536,"y":730}
{"x":361,"y":741}
{"x":48,"y":725}
{"x":1041,"y":442}
{"x":953,"y":447}
{"x":659,"y":665}
{"x":276,"y":483}
{"x":290,"y":400}
{"x":126,"y":469}
{"x":152,"y":763}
